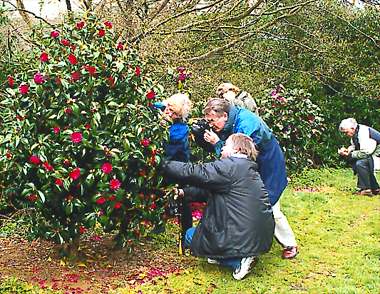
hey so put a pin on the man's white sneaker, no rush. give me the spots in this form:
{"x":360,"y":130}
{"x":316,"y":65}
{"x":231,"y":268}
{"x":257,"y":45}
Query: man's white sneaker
{"x":244,"y":268}
{"x":212,"y":261}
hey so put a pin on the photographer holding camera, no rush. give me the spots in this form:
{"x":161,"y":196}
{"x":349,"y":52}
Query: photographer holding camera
{"x":237,"y":224}
{"x":226,"y":119}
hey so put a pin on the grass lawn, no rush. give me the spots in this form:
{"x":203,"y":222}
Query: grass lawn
{"x":338,"y":235}
{"x":339,"y":240}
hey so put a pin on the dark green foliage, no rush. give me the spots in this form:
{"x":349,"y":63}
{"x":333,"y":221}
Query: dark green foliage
{"x":81,"y":140}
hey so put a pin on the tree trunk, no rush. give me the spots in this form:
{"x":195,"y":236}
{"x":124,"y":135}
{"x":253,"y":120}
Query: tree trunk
{"x":68,"y":5}
{"x":20,"y":5}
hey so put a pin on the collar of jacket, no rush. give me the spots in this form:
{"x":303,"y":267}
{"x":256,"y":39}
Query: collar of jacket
{"x":229,"y":126}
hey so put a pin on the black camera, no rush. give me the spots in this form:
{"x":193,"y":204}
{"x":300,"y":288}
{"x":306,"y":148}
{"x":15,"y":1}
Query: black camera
{"x":200,"y":127}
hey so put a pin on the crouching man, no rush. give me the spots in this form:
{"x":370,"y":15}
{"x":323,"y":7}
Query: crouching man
{"x":237,"y":225}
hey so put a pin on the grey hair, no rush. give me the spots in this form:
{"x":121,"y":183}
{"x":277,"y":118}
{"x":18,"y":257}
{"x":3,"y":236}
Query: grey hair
{"x":348,"y":123}
{"x":218,"y":105}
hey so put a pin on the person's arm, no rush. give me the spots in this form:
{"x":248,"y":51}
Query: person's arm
{"x":212,"y":176}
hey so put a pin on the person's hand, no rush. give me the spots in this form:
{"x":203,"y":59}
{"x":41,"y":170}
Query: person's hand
{"x":343,"y":151}
{"x":211,"y":137}
{"x":178,"y":193}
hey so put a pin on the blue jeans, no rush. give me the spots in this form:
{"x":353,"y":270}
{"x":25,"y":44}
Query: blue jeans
{"x":233,"y":263}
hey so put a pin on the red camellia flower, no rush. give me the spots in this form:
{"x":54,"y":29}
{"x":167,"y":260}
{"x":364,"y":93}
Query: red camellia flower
{"x":80,"y":25}
{"x":87,"y":126}
{"x":117,"y":205}
{"x":34,"y":159}
{"x":145,"y":142}
{"x":44,"y":57}
{"x":101,"y":200}
{"x":32,"y":197}
{"x":115,"y":184}
{"x":108,"y":24}
{"x":58,"y":182}
{"x":65,"y":42}
{"x":56,"y":130}
{"x":75,"y":174}
{"x":106,"y":167}
{"x":120,"y":46}
{"x":151,"y":94}
{"x":91,"y":69}
{"x":54,"y":34}
{"x":39,"y":78}
{"x":137,"y":71}
{"x":112,"y":198}
{"x":153,"y":206}
{"x":82,"y":230}
{"x":47,"y":166}
{"x":72,"y":59}
{"x":11,"y":81}
{"x":75,"y":76}
{"x":76,"y":137}
{"x":24,"y":89}
{"x":101,"y":33}
{"x":68,"y":110}
{"x":8,"y":155}
{"x":111,"y":81}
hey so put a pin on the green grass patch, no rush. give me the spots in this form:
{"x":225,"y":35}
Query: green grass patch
{"x":338,"y":235}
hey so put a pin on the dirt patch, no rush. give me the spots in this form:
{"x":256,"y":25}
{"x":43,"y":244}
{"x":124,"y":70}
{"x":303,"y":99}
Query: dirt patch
{"x":99,"y":269}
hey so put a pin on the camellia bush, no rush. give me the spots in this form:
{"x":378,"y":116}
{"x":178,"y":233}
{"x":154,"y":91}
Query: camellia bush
{"x":82,"y":142}
{"x":297,"y":123}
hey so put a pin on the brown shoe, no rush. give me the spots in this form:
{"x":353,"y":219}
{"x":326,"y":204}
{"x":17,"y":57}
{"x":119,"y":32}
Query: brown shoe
{"x":365,"y":192}
{"x":376,"y":191}
{"x":289,"y":252}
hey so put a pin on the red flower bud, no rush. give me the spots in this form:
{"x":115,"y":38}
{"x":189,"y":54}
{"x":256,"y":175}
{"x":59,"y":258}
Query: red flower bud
{"x":80,"y":25}
{"x":137,"y":71}
{"x":151,"y":94}
{"x":111,"y":81}
{"x":76,"y":137}
{"x":47,"y":166}
{"x":24,"y":89}
{"x":75,"y":76}
{"x":91,"y":69}
{"x":112,"y":198}
{"x":75,"y":174}
{"x":56,"y":130}
{"x":108,"y":24}
{"x":145,"y":142}
{"x":65,"y":42}
{"x":39,"y":78}
{"x":44,"y":57}
{"x":101,"y":33}
{"x":68,"y":110}
{"x":82,"y":230}
{"x":32,"y":197}
{"x":72,"y":59}
{"x":101,"y":200}
{"x":54,"y":34}
{"x":120,"y":46}
{"x":58,"y":182}
{"x":11,"y":81}
{"x":34,"y":159}
{"x":106,"y":167}
{"x":117,"y":205}
{"x":115,"y":184}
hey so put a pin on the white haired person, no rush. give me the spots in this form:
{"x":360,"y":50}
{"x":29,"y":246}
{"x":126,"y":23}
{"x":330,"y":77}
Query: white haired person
{"x":237,"y":225}
{"x":365,"y":146}
{"x":236,"y":96}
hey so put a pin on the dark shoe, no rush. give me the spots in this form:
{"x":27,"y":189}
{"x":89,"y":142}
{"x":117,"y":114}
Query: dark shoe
{"x":364,"y":192}
{"x":376,"y":192}
{"x":289,"y":252}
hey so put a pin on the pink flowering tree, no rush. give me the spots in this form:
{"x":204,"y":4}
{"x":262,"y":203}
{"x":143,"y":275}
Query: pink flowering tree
{"x":82,"y":142}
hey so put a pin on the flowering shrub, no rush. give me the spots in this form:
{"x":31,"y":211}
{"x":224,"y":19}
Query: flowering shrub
{"x":296,"y":121}
{"x":81,"y":146}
